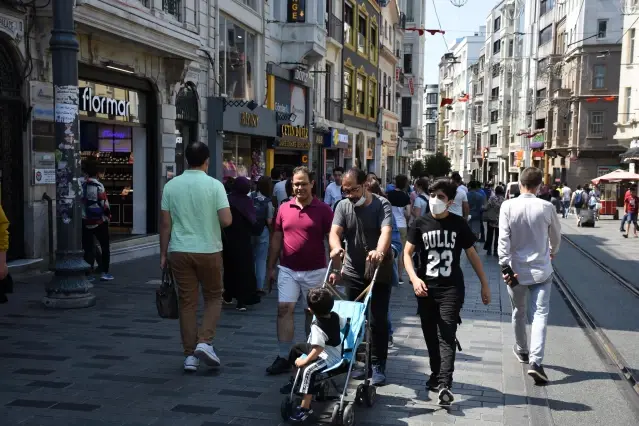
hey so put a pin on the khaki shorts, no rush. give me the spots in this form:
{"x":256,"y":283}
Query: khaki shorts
{"x":403,"y":234}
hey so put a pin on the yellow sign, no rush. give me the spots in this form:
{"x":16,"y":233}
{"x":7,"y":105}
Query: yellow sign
{"x":248,"y":119}
{"x":292,"y":143}
{"x":305,"y":159}
{"x":294,"y":131}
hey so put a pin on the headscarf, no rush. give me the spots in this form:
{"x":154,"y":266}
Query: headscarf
{"x":545,"y":189}
{"x":239,"y":199}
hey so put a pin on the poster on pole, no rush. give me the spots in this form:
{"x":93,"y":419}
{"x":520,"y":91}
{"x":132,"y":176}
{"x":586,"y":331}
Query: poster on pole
{"x":66,"y":103}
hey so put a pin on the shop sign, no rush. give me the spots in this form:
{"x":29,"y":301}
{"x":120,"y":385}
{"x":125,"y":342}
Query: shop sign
{"x":248,"y":119}
{"x":294,"y":131}
{"x":296,"y":11}
{"x":43,"y":176}
{"x":538,"y":155}
{"x":11,"y":26}
{"x":291,"y":98}
{"x":337,"y":140}
{"x":102,"y":105}
{"x":294,"y":144}
{"x":604,"y":170}
{"x":319,"y":139}
{"x":299,"y":75}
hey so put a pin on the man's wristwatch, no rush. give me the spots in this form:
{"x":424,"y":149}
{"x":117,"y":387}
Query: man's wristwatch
{"x":336,"y":271}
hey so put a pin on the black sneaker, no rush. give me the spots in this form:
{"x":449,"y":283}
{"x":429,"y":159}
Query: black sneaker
{"x":301,"y":415}
{"x":521,"y":356}
{"x":445,"y":396}
{"x":241,"y":307}
{"x":390,"y":341}
{"x":432,"y":384}
{"x":279,"y":366}
{"x":287,"y":388}
{"x":538,"y":374}
{"x":227,"y":299}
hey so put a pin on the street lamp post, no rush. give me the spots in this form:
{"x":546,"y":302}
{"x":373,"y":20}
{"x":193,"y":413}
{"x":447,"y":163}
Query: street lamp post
{"x":69,"y":287}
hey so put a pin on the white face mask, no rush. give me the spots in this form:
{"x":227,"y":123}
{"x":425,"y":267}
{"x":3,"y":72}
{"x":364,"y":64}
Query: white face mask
{"x":360,"y":202}
{"x":436,"y":205}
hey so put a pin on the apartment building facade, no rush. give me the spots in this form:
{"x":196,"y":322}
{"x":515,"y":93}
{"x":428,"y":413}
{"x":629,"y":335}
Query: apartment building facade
{"x":144,"y":77}
{"x":431,"y":104}
{"x":627,"y":122}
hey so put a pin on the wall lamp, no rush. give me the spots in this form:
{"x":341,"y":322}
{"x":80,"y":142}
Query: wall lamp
{"x":119,"y":67}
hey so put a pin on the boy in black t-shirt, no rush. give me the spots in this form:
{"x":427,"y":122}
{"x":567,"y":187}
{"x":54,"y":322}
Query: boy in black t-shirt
{"x":439,"y":238}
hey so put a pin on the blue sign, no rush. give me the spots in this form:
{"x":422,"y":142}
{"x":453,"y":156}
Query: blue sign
{"x":335,"y":139}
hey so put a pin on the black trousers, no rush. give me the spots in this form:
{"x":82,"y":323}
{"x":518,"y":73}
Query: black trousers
{"x":439,"y":315}
{"x":492,"y":238}
{"x":101,"y":233}
{"x":380,"y":300}
{"x":307,"y":376}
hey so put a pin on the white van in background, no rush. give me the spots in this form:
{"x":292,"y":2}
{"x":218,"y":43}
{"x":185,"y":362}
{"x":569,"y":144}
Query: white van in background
{"x":512,"y":190}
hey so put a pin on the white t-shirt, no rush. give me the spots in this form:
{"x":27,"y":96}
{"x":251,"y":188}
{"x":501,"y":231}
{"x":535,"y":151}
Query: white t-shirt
{"x":460,"y":197}
{"x":332,"y":354}
{"x":464,"y":188}
{"x":421,"y":204}
{"x":333,"y":194}
{"x":279,"y":190}
{"x":566,"y":193}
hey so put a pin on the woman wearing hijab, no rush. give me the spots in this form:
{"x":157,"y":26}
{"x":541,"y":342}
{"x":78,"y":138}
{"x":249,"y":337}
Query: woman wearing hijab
{"x":544,"y":193}
{"x":239,"y":277}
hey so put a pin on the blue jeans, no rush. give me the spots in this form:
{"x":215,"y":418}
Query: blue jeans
{"x":566,"y":206}
{"x":260,"y":252}
{"x":624,"y":219}
{"x":395,"y":283}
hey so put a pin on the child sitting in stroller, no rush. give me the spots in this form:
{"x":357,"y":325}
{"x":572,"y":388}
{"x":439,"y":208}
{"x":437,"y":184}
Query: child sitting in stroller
{"x":322,"y":350}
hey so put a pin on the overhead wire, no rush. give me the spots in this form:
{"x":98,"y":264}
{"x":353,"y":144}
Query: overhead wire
{"x":440,"y":24}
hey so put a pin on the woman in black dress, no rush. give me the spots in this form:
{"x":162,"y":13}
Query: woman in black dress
{"x":239,"y":276}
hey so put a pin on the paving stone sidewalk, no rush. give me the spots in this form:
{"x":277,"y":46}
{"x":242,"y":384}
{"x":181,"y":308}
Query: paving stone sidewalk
{"x":119,"y":364}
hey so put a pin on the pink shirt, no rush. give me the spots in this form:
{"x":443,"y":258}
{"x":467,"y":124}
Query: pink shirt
{"x":304,"y":231}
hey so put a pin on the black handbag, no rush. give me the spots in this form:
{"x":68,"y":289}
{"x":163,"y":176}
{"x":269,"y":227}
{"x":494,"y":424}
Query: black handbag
{"x":166,"y":299}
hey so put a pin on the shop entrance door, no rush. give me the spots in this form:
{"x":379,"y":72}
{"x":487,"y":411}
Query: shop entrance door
{"x":186,"y":120}
{"x":11,"y":157}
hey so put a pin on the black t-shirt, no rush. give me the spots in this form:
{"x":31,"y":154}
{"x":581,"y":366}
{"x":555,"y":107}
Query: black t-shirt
{"x":398,"y":198}
{"x":440,"y":243}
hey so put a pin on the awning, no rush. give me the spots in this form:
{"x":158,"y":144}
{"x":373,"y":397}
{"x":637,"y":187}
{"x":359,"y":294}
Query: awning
{"x":631,"y":155}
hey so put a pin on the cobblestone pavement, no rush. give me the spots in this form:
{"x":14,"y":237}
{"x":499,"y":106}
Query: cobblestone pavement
{"x":119,"y":364}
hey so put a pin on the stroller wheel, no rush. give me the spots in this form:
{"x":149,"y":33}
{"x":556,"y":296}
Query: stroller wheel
{"x":286,"y":409}
{"x":336,"y":417}
{"x":348,"y":418}
{"x":370,"y":396}
{"x":360,"y":394}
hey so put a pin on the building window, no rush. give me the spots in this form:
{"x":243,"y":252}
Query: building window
{"x":392,"y":106}
{"x":348,"y":23}
{"x":602,"y":28}
{"x":410,"y":10}
{"x":238,"y":56}
{"x":173,"y":7}
{"x":408,"y":58}
{"x":407,"y":112}
{"x":496,"y":70}
{"x":385,"y":89}
{"x":362,"y":28}
{"x":545,"y":35}
{"x":361,"y":95}
{"x":494,"y":116}
{"x":493,"y":140}
{"x":372,"y":99}
{"x":511,"y":48}
{"x":497,"y":24}
{"x":479,"y":114}
{"x":250,"y":3}
{"x":496,"y":47}
{"x":431,"y":99}
{"x":348,"y":90}
{"x":627,"y":103}
{"x":599,"y":76}
{"x":545,"y":6}
{"x":631,"y":46}
{"x":373,"y":42}
{"x":595,"y":127}
{"x":494,"y":93}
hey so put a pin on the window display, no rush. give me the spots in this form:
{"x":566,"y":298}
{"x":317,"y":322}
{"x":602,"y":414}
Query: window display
{"x":237,"y":59}
{"x":111,"y":146}
{"x":243,"y":156}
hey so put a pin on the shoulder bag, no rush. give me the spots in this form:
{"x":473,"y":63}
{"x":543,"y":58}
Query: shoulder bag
{"x":385,"y":273}
{"x":166,"y":299}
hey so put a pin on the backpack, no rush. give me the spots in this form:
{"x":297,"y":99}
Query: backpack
{"x":423,"y":197}
{"x":261,"y":211}
{"x":92,"y":208}
{"x":592,"y":199}
{"x":579,"y":199}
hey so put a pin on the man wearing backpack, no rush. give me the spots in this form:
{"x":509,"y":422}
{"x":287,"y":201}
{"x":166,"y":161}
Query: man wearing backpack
{"x":578,"y":201}
{"x":96,"y":215}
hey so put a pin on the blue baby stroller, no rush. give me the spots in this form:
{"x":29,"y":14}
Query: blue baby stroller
{"x":356,"y":328}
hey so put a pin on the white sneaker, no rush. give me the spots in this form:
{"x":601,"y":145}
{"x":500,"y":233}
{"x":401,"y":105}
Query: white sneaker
{"x":206,"y":354}
{"x":191,"y":363}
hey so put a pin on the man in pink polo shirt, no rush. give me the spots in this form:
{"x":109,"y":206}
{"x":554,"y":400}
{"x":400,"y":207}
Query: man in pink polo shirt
{"x":301,"y":227}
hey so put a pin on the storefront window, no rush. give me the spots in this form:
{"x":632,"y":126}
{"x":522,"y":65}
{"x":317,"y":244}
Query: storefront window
{"x":243,"y":156}
{"x":237,"y":60}
{"x":361,"y":100}
{"x":348,"y":90}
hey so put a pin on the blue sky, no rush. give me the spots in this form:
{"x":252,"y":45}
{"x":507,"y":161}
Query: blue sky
{"x":457,"y":22}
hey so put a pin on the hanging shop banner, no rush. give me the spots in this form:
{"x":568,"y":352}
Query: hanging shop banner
{"x":290,"y":98}
{"x":537,"y":141}
{"x":296,"y":10}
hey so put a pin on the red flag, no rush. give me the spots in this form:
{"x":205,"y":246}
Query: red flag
{"x":464,"y":98}
{"x":610,"y":98}
{"x":591,"y":100}
{"x":446,"y":101}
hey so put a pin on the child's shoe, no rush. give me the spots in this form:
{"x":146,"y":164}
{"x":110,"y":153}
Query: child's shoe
{"x":301,"y":415}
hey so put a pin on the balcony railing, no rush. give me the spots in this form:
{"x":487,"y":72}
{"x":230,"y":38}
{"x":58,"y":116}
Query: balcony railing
{"x":173,"y":7}
{"x":334,"y":28}
{"x":333,"y":109}
{"x":145,"y":3}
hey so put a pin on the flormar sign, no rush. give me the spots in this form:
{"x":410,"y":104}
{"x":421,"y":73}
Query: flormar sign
{"x":102,"y":105}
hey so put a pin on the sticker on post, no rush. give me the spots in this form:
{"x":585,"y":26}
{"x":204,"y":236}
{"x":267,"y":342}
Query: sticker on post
{"x":66,"y":103}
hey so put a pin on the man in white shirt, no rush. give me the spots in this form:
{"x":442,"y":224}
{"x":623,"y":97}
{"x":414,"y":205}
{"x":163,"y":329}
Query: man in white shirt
{"x":566,"y":195}
{"x":529,"y":236}
{"x":334,"y":189}
{"x":460,"y":205}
